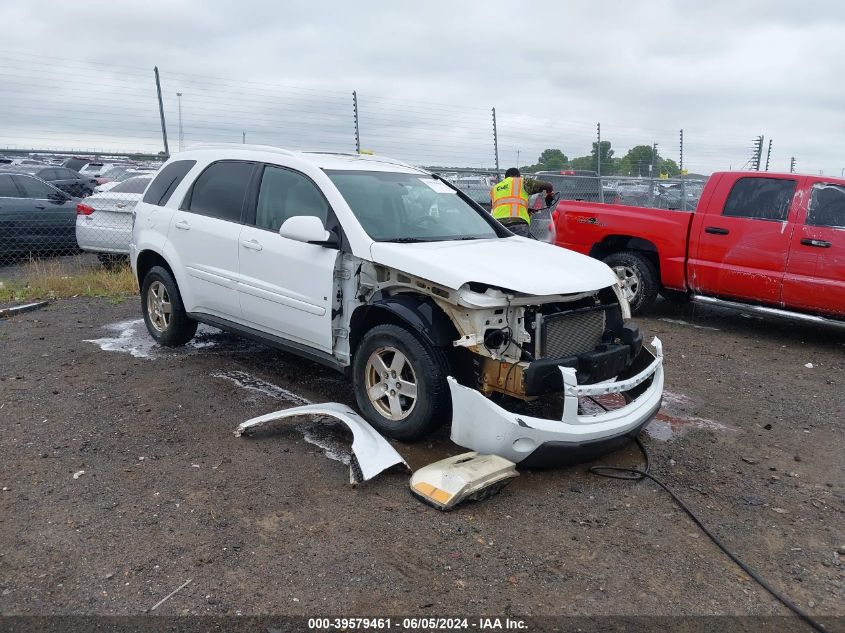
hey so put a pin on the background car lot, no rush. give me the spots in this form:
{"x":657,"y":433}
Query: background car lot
{"x":269,"y":525}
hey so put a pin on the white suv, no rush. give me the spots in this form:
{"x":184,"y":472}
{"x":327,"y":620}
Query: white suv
{"x":394,"y":277}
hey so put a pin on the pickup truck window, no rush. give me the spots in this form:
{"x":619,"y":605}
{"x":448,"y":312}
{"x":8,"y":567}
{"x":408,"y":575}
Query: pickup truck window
{"x":827,"y":206}
{"x":760,"y":199}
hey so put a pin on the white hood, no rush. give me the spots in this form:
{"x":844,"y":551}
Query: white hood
{"x":514,"y":263}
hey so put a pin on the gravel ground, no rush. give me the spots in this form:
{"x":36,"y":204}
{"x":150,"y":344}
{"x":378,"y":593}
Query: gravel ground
{"x":121,"y":479}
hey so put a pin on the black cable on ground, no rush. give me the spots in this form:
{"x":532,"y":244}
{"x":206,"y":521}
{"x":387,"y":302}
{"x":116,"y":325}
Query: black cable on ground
{"x":635,"y":474}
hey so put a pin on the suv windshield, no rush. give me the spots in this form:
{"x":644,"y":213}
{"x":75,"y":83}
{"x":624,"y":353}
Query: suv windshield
{"x":398,"y":207}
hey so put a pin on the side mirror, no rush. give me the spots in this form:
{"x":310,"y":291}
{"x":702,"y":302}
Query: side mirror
{"x":305,"y":228}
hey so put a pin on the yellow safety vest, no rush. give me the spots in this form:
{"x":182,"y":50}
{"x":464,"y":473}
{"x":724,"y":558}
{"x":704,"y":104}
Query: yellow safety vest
{"x":510,"y":200}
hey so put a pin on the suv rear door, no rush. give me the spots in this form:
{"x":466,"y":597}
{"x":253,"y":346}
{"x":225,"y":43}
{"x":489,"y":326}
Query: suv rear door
{"x":204,"y":234}
{"x":286,"y":286}
{"x":742,"y":238}
{"x":815,"y":274}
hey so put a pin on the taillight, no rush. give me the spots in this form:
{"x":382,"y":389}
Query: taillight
{"x":84,"y":209}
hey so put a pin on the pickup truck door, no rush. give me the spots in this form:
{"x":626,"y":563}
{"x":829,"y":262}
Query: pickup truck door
{"x":285,"y":286}
{"x":815,"y":274}
{"x":742,"y":239}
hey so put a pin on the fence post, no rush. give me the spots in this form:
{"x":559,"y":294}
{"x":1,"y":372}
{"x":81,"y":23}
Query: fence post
{"x":496,"y":143}
{"x":769,"y":155}
{"x":355,"y":115}
{"x":161,"y":114}
{"x":598,"y":162}
{"x":681,"y":167}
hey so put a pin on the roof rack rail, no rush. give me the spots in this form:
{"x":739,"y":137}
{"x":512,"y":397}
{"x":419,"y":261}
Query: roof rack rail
{"x":259,"y":148}
{"x":368,"y":157}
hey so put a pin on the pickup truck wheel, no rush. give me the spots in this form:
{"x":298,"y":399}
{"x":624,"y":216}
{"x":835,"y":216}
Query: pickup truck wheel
{"x":400,"y":383}
{"x":164,"y":315}
{"x":638,"y":278}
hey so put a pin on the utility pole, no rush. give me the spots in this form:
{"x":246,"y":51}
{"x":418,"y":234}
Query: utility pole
{"x":653,"y":160}
{"x":181,"y":135}
{"x":792,"y":165}
{"x":243,"y":138}
{"x":517,"y":158}
{"x":496,"y":143}
{"x":355,"y":116}
{"x":769,"y":155}
{"x":161,"y":114}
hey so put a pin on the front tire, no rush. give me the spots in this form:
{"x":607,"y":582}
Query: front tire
{"x":400,"y":383}
{"x":638,"y":277}
{"x":164,"y":314}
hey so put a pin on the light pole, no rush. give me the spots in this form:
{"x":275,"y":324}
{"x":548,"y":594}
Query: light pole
{"x":181,"y":136}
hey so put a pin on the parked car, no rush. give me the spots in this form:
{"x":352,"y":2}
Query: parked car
{"x":397,"y":279}
{"x":76,"y":163}
{"x":761,"y":239}
{"x":35,"y":217}
{"x":104,"y":220}
{"x":118,"y":175}
{"x":572,"y":185}
{"x":68,"y":180}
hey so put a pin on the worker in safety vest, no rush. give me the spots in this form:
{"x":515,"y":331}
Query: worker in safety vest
{"x":509,"y":200}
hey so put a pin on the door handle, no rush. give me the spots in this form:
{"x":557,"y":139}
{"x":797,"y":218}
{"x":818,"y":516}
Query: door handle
{"x":252,"y":245}
{"x":181,"y":224}
{"x":40,"y":206}
{"x":817,"y":243}
{"x":716,"y":230}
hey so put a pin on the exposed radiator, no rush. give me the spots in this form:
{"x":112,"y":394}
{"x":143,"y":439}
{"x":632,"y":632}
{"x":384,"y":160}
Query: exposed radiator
{"x":564,"y":335}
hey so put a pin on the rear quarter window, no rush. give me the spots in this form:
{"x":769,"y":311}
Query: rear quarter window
{"x":166,"y":181}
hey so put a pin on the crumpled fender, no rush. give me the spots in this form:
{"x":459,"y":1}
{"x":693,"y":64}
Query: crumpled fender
{"x":372,"y":453}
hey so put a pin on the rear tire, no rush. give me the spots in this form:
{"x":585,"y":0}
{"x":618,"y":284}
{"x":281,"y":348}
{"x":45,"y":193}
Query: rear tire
{"x":639,"y":278}
{"x":400,"y":383}
{"x":164,"y":314}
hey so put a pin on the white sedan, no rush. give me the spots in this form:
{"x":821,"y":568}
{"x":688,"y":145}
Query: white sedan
{"x":104,"y":220}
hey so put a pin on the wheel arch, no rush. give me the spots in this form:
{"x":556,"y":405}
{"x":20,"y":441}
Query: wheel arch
{"x":417,"y":313}
{"x":617,"y":243}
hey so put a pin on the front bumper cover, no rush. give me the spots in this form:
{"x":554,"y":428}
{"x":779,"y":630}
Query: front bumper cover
{"x":481,"y":425}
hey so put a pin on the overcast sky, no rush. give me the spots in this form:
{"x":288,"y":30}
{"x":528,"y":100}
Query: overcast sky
{"x":79,"y":74}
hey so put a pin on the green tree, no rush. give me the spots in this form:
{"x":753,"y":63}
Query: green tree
{"x":551,"y":159}
{"x":638,"y":160}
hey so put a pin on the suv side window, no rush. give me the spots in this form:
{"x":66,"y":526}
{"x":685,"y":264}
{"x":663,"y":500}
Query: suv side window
{"x":219,"y":191}
{"x":8,"y":189}
{"x":760,"y":199}
{"x":284,"y":194}
{"x":827,"y":206}
{"x":33,"y":188}
{"x":166,"y":181}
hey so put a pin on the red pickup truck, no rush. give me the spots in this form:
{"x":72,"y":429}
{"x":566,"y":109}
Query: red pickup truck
{"x":771,"y":240}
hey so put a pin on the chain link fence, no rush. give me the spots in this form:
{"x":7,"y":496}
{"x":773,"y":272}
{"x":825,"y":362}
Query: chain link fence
{"x":51,"y":210}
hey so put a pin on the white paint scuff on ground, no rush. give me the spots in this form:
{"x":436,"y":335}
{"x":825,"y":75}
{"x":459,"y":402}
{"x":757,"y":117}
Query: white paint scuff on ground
{"x":323,"y":432}
{"x":682,"y":322}
{"x":132,"y":338}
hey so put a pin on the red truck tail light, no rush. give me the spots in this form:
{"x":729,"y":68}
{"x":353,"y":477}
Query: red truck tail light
{"x":555,"y":215}
{"x":84,"y":209}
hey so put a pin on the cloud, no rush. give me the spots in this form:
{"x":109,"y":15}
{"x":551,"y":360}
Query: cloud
{"x":427,"y":76}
